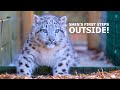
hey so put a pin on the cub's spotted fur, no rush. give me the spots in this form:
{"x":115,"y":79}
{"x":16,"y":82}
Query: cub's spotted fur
{"x":48,"y":44}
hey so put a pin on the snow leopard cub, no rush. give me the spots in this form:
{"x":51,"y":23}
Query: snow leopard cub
{"x":48,"y":44}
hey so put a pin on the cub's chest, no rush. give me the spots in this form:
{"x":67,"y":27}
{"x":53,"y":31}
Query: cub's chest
{"x":47,"y":54}
{"x":48,"y":57}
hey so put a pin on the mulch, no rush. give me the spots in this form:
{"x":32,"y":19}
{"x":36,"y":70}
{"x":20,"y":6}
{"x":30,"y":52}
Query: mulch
{"x":98,"y":75}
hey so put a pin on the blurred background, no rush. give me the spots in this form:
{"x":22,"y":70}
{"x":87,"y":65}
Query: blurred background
{"x":93,"y":49}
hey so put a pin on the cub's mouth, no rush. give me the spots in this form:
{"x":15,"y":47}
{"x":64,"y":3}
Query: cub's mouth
{"x":50,"y":46}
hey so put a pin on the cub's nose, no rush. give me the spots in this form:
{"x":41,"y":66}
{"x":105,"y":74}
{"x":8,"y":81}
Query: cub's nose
{"x":51,"y":40}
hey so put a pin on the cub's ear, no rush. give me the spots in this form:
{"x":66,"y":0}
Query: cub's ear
{"x":63,"y":19}
{"x":36,"y":19}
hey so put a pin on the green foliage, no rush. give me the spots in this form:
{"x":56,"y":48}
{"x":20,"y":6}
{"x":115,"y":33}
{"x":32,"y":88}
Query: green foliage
{"x":38,"y":12}
{"x":113,"y":37}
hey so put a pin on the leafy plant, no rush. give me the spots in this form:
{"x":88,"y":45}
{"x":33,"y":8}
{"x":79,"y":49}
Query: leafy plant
{"x":38,"y":12}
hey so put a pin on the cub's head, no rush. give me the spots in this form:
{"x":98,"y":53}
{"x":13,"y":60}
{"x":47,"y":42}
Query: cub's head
{"x":50,"y":29}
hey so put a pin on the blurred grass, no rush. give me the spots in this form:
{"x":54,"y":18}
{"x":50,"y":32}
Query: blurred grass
{"x":38,"y":12}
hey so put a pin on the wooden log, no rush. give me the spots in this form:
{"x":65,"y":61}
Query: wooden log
{"x":27,"y":18}
{"x":88,"y":70}
{"x":25,"y":22}
{"x":93,"y":38}
{"x":19,"y":29}
{"x":7,"y":69}
{"x":43,"y":70}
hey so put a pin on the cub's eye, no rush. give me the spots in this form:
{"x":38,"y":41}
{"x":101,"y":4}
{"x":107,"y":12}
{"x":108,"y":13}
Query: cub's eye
{"x":57,"y":30}
{"x":44,"y":30}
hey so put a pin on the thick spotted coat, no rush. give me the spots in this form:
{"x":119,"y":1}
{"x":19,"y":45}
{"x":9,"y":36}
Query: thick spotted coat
{"x":48,"y":44}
